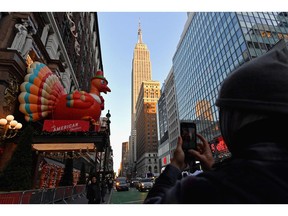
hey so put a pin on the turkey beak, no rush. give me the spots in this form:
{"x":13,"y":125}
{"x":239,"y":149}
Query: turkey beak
{"x":106,"y":89}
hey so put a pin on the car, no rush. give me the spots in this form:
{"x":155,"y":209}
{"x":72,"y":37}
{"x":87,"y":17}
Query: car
{"x":145,"y":184}
{"x":137,"y":184}
{"x":134,"y":182}
{"x":121,"y":184}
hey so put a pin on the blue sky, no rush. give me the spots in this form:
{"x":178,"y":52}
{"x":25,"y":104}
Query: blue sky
{"x":161,"y":32}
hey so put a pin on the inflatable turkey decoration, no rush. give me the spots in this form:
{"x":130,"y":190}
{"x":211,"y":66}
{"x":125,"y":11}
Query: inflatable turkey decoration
{"x":42,"y":96}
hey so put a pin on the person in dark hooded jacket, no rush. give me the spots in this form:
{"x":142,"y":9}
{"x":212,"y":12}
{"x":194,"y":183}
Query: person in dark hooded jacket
{"x":253,"y":114}
{"x":94,"y":192}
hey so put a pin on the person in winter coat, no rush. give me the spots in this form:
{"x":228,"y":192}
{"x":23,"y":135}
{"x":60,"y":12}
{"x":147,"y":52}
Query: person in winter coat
{"x":110,"y":184}
{"x":94,"y":192}
{"x":103,"y":190}
{"x":253,"y":114}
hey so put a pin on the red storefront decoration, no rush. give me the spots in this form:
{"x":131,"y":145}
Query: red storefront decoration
{"x":164,"y":161}
{"x":219,"y":145}
{"x":65,"y":125}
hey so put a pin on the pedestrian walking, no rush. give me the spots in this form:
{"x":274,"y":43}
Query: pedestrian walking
{"x":253,"y":112}
{"x":110,"y":184}
{"x":93,"y":192}
{"x":103,"y":190}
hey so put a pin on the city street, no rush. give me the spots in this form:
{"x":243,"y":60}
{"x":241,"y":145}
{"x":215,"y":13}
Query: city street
{"x":83,"y":200}
{"x":133,"y":196}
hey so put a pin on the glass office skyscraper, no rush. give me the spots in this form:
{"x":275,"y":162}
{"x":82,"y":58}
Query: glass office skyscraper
{"x":212,"y":45}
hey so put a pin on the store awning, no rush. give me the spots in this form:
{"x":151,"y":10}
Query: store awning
{"x":63,"y":146}
{"x":72,"y":141}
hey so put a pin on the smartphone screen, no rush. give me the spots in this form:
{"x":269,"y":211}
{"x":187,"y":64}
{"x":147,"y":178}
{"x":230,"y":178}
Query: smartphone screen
{"x":188,"y":134}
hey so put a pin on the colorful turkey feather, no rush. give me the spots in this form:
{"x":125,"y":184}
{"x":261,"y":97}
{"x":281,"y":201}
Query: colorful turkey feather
{"x":40,"y":92}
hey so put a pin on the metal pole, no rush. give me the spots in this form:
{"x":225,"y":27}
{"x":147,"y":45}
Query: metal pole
{"x":107,"y":144}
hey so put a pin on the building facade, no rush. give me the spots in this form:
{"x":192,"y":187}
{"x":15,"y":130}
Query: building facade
{"x":146,"y":127}
{"x":165,"y":151}
{"x":68,"y":43}
{"x":79,"y":32}
{"x":124,"y":160}
{"x":212,"y":45}
{"x":162,"y":120}
{"x":141,"y":71}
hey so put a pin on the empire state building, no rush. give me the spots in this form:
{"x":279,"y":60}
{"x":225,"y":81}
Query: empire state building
{"x":141,"y":71}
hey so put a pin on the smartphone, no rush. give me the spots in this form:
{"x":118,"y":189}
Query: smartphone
{"x":188,"y":134}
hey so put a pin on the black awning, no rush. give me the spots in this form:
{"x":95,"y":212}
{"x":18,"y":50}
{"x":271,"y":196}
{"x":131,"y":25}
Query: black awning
{"x":99,"y":139}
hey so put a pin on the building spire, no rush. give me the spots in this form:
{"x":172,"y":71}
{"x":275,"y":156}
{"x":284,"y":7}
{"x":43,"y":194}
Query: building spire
{"x":139,"y":33}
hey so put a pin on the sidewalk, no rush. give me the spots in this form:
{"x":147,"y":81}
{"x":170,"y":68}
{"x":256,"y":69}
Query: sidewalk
{"x":83,"y":200}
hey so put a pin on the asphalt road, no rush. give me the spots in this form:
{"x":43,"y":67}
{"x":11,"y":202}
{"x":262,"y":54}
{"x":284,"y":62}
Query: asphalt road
{"x":83,"y":200}
{"x":132,"y":196}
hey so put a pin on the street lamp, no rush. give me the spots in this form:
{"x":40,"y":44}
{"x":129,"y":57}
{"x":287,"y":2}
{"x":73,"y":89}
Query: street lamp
{"x":106,"y":146}
{"x":9,"y":127}
{"x":108,"y":115}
